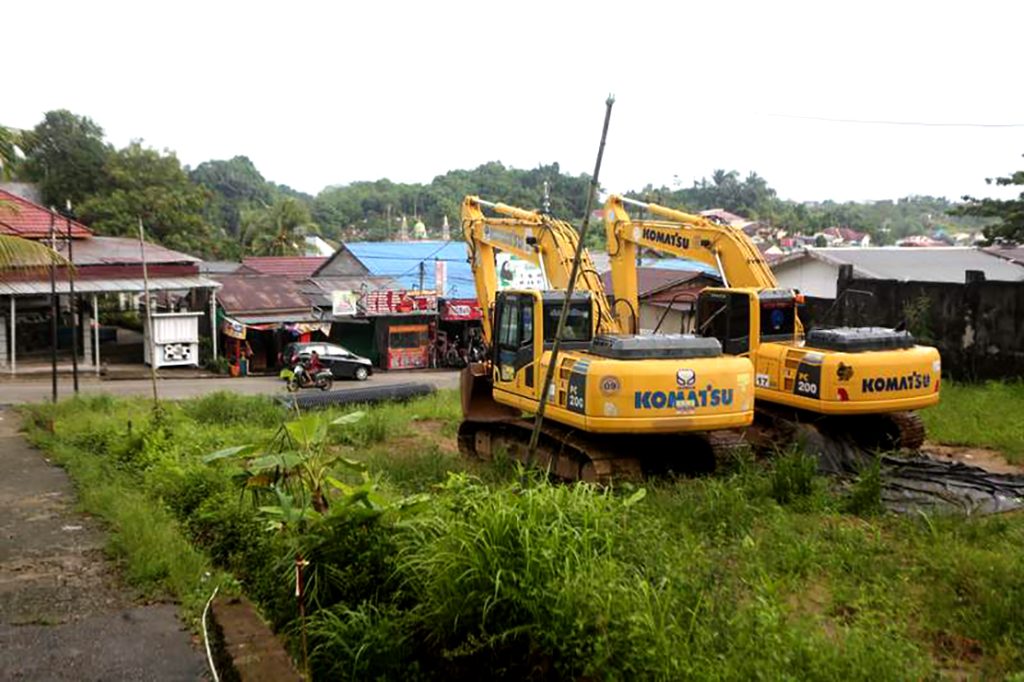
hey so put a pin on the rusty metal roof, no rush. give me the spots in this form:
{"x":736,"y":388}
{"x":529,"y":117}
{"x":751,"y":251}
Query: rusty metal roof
{"x":263,"y":294}
{"x":288,"y":266}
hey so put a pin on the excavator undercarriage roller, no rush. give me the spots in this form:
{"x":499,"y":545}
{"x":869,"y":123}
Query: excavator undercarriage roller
{"x":571,"y":455}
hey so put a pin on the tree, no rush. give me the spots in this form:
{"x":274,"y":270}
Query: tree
{"x":1009,"y":212}
{"x":143,"y":183}
{"x":279,"y":229}
{"x":66,"y":155}
{"x":9,"y":139}
{"x":235,"y":186}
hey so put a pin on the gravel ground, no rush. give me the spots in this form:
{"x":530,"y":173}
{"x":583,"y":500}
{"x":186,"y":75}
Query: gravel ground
{"x":64,"y":614}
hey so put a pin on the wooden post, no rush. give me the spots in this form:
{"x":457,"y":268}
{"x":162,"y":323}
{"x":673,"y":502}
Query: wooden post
{"x":96,"y":333}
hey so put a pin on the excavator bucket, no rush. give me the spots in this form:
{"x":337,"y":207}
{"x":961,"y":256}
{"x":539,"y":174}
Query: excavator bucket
{"x":478,"y":405}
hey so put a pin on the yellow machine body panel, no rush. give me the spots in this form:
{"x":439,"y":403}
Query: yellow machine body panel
{"x":602,"y":395}
{"x":836,"y":383}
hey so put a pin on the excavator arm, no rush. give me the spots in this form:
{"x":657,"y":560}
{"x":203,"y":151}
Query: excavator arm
{"x":532,"y":236}
{"x":679,"y":234}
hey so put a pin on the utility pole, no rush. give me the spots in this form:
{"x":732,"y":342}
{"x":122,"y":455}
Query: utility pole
{"x":74,"y":301}
{"x":53,"y":307}
{"x":149,"y":316}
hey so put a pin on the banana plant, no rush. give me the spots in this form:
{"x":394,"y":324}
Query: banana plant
{"x":298,"y":461}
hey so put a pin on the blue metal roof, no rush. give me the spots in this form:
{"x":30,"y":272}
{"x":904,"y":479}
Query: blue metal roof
{"x":401,"y":261}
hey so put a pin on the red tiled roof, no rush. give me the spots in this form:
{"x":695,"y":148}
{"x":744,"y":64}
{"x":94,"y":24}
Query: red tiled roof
{"x":20,"y":217}
{"x":289,"y":266}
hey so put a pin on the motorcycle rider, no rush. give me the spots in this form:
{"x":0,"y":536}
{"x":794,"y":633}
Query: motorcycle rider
{"x":314,"y":365}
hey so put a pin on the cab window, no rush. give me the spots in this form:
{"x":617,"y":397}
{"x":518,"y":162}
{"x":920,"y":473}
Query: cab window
{"x":726,"y":317}
{"x":577,"y":323}
{"x":778,"y":319}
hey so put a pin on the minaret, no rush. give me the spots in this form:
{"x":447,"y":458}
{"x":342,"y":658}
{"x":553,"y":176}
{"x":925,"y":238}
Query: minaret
{"x":446,"y":232}
{"x":403,"y":231}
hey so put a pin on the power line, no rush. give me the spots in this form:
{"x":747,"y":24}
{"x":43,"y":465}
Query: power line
{"x":926,"y":124}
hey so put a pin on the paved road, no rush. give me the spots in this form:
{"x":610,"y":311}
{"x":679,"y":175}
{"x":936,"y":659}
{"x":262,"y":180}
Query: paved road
{"x":64,"y":614}
{"x":36,"y":389}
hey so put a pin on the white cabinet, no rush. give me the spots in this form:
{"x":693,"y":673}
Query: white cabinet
{"x":175,"y":339}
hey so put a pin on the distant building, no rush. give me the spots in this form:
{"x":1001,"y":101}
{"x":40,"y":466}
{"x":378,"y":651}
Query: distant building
{"x":814,"y":271}
{"x":667,"y":297}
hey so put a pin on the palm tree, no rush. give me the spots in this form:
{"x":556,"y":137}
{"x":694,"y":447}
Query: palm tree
{"x":279,"y":229}
{"x":8,"y":152}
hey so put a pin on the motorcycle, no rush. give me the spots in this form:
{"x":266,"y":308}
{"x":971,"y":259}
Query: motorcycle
{"x":301,"y":378}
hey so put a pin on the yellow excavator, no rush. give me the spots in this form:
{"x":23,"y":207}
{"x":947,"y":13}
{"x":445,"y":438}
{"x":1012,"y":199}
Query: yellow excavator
{"x":620,"y":405}
{"x":863,"y":383}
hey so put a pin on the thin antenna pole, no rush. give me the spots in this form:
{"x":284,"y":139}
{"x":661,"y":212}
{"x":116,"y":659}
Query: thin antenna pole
{"x":149,"y":315}
{"x":549,"y":375}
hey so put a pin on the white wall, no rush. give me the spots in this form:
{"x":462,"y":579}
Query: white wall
{"x":811,"y":276}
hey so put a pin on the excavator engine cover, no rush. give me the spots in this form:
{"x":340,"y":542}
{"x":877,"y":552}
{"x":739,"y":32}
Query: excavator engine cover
{"x":654,"y":346}
{"x":858,"y":339}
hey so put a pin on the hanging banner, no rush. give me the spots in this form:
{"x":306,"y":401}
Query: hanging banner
{"x":460,"y":309}
{"x":343,"y":303}
{"x":232,"y":328}
{"x":308,"y":327}
{"x":440,"y":276}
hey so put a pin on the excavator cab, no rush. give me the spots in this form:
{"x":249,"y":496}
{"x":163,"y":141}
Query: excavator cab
{"x":743,"y":319}
{"x":525,"y":324}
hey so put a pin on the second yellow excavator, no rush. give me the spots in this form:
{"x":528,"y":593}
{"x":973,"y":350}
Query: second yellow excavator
{"x":620,"y":405}
{"x":865,"y":383}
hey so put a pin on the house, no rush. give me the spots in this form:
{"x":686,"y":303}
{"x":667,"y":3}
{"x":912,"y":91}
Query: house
{"x":844,"y":236}
{"x":920,"y":240}
{"x":720,"y":215}
{"x":103,"y":266}
{"x":814,"y":271}
{"x":667,"y":297}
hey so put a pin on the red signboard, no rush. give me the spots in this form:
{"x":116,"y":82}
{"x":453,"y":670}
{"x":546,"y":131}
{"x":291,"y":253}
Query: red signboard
{"x":461,"y":309}
{"x":393,"y":302}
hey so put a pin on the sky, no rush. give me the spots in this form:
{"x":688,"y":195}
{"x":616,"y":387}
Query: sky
{"x":320,"y":94}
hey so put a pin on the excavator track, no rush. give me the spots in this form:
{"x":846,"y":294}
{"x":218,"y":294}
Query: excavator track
{"x":570,"y":455}
{"x":777,"y":428}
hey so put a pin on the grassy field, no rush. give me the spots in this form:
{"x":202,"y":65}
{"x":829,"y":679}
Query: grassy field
{"x":985,"y":415}
{"x":426,"y":566}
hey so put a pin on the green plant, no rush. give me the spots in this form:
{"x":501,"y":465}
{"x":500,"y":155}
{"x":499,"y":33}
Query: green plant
{"x":792,"y":476}
{"x":917,"y":314}
{"x":865,"y":495}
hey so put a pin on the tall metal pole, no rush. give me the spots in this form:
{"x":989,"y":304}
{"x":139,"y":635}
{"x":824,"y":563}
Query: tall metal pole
{"x":549,"y":375}
{"x":53,"y":309}
{"x":149,"y":315}
{"x":74,"y":301}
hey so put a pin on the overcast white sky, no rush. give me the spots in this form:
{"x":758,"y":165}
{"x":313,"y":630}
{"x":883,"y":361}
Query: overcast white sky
{"x":328,"y":93}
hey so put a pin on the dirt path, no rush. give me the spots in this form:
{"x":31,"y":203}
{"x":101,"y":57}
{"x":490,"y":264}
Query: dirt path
{"x":64,"y":614}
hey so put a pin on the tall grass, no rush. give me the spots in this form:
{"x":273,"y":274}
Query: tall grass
{"x":765,"y":571}
{"x":987,"y":415}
